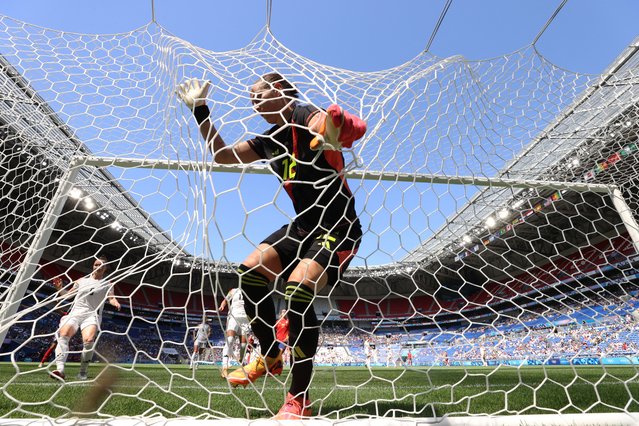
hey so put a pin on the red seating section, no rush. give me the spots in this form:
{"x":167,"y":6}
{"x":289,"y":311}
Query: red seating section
{"x":583,"y":261}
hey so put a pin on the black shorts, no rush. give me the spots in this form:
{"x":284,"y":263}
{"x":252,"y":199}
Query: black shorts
{"x":333,"y":250}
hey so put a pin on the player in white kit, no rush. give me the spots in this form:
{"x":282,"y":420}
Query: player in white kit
{"x":200,"y":341}
{"x":237,"y":323}
{"x":370,"y":351}
{"x":86,"y":314}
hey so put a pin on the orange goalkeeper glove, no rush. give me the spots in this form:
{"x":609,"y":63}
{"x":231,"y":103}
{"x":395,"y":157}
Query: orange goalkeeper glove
{"x":339,"y":130}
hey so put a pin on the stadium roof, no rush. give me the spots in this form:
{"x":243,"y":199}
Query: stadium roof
{"x":574,"y":130}
{"x":43,"y":135}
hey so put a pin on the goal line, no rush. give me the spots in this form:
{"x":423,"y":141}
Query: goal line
{"x":594,"y":419}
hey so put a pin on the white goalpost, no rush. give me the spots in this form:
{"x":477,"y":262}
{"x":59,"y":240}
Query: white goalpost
{"x":496,"y":281}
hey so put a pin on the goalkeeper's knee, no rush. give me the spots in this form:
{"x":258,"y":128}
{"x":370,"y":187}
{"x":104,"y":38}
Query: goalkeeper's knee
{"x":303,"y":326}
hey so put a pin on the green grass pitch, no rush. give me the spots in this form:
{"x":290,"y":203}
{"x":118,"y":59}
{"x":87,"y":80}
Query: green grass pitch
{"x":170,"y":391}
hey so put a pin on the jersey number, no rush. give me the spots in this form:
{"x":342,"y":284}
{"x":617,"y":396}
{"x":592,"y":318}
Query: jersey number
{"x":289,"y":168}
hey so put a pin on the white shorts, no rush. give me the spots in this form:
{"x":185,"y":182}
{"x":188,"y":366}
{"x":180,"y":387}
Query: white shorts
{"x":238,"y":323}
{"x":80,"y":320}
{"x":201,"y":343}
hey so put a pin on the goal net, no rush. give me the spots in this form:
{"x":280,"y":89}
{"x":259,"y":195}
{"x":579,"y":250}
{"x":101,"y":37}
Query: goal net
{"x":496,"y":275}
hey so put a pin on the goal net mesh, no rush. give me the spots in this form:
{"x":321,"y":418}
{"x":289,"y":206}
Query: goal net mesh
{"x":478,"y":289}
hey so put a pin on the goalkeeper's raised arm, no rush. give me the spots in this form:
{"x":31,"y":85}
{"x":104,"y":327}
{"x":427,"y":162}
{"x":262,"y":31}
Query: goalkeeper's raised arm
{"x":275,"y":100}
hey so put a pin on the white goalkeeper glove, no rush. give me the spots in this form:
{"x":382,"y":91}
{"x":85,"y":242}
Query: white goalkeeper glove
{"x":193,"y":92}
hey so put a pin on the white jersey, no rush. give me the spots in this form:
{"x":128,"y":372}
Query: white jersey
{"x":202,"y":332}
{"x":91,"y":295}
{"x":235,"y":300}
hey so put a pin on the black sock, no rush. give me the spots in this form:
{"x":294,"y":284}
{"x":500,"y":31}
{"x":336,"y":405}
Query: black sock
{"x":303,"y":336}
{"x":259,"y":308}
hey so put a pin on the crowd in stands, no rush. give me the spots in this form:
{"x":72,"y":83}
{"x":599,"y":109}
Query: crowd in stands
{"x":597,"y":327}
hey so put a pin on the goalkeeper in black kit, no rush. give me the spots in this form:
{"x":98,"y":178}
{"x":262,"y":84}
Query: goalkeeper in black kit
{"x":303,"y":149}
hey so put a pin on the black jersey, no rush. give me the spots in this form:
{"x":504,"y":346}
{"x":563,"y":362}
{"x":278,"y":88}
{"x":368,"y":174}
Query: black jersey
{"x":320,"y":195}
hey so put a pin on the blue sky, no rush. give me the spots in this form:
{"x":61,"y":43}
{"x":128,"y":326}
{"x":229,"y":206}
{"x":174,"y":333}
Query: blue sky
{"x":354,"y":35}
{"x":373,"y":35}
